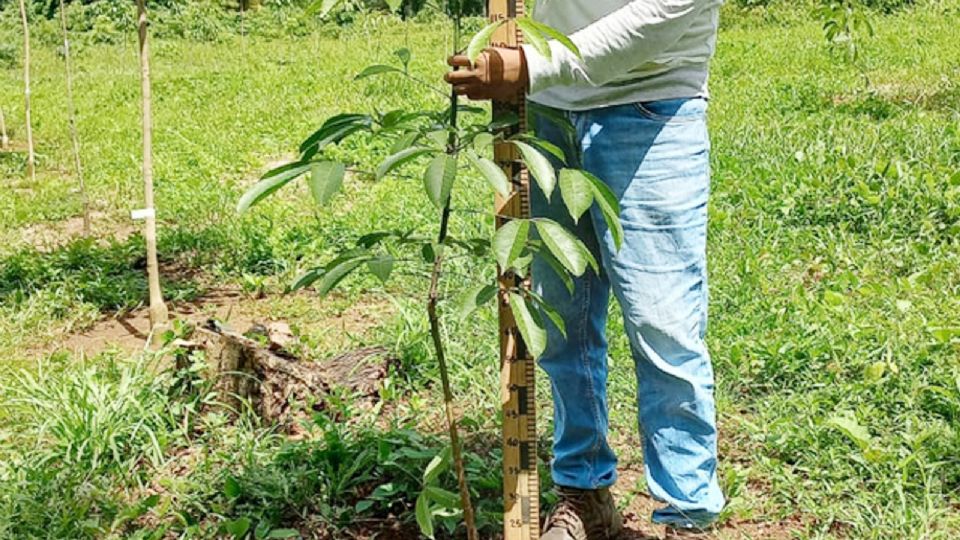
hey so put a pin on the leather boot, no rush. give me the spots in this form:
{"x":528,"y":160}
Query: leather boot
{"x":583,"y":515}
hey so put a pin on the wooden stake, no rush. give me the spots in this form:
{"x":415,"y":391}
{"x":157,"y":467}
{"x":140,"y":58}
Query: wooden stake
{"x":31,"y":158}
{"x":4,"y":140}
{"x":158,"y":310}
{"x":521,"y":479}
{"x":72,"y":120}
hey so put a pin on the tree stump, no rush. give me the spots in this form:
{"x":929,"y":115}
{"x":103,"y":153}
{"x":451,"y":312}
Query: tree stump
{"x":277,"y":385}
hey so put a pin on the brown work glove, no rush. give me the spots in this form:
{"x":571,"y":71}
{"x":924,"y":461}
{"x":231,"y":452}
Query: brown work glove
{"x":498,"y":73}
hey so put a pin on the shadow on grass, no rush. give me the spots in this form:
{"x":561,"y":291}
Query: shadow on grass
{"x":112,"y":276}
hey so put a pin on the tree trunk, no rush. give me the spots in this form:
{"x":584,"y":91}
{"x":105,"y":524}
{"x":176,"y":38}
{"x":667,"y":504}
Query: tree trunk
{"x":436,"y":334}
{"x":72,"y":120}
{"x":31,"y":158}
{"x":279,"y":387}
{"x":4,"y":140}
{"x":158,"y":310}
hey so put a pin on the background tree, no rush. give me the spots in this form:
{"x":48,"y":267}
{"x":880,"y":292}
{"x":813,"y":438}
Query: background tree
{"x":72,"y":119}
{"x":31,"y":160}
{"x":158,"y":310}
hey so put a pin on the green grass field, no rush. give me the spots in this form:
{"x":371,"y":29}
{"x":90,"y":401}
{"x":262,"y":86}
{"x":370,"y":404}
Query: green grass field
{"x":835,"y":268}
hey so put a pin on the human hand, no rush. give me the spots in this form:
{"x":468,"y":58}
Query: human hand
{"x":498,"y":73}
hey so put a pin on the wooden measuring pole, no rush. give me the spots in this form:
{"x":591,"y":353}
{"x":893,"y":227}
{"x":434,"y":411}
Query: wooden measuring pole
{"x":521,"y":482}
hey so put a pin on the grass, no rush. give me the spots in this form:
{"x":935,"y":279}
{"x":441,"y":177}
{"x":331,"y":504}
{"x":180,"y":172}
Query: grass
{"x":835,"y":270}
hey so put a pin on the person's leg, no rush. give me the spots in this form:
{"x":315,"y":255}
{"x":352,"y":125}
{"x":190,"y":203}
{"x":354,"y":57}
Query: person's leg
{"x":576,"y":364}
{"x":655,"y":157}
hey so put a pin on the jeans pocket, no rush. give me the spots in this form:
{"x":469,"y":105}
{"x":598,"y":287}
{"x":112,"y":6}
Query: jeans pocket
{"x":673,"y":110}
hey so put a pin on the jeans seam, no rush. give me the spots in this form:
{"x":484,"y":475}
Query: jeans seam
{"x":704,"y":302}
{"x":581,"y":120}
{"x":585,"y":360}
{"x":578,"y":120}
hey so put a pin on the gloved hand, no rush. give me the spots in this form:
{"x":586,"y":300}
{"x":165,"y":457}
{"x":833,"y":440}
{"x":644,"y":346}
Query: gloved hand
{"x":498,"y":73}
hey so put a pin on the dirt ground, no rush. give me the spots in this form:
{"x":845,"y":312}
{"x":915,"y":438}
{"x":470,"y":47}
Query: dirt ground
{"x":641,"y":506}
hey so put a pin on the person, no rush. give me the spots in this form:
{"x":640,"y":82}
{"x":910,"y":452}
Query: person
{"x":636,"y":95}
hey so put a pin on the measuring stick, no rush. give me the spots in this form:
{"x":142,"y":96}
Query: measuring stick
{"x":521,"y":482}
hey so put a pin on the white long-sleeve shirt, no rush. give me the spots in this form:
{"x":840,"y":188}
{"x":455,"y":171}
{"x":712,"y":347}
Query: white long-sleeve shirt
{"x":631,"y":51}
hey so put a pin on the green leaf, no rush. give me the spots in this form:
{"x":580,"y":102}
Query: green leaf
{"x":326,"y":177}
{"x":424,"y":515}
{"x":572,"y":253}
{"x":609,"y":207}
{"x":483,"y":144}
{"x":530,"y":326}
{"x":481,"y":40}
{"x":439,"y":177}
{"x":237,"y":527}
{"x":284,"y":533}
{"x":474,"y":298}
{"x":400,"y":158}
{"x":307,"y":279}
{"x":875,"y":371}
{"x":849,"y":426}
{"x":558,"y":118}
{"x":547,"y":257}
{"x":576,"y":191}
{"x":534,"y":36}
{"x":385,"y":491}
{"x":271,"y":182}
{"x":550,"y":311}
{"x":509,"y":241}
{"x":262,"y":530}
{"x":322,"y":7}
{"x":503,"y":121}
{"x":376,"y":69}
{"x":492,"y":172}
{"x":363,"y":506}
{"x":334,"y":130}
{"x":443,"y":497}
{"x":371,"y":239}
{"x":945,"y":334}
{"x":834,"y":298}
{"x":440,"y":137}
{"x":955,"y":179}
{"x":545,"y":145}
{"x":402,"y":53}
{"x":437,"y":465}
{"x":539,"y":166}
{"x":231,"y":488}
{"x":394,"y":5}
{"x":382,"y":267}
{"x":404,"y":141}
{"x":428,"y":253}
{"x":553,"y":33}
{"x":338,"y":269}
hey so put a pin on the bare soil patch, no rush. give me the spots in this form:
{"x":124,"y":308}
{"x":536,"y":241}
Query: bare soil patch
{"x":128,"y":332}
{"x":641,"y":506}
{"x":48,"y":236}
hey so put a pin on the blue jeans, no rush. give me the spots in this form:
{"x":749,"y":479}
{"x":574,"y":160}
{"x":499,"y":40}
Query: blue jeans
{"x":655,"y":158}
